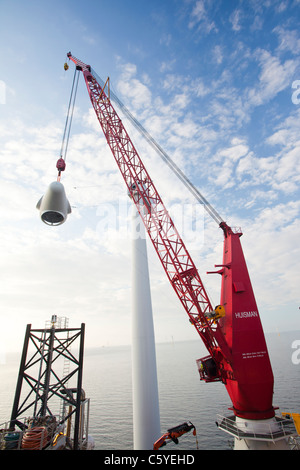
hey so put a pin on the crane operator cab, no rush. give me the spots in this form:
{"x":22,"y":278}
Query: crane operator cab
{"x":207,"y":366}
{"x":208,"y":369}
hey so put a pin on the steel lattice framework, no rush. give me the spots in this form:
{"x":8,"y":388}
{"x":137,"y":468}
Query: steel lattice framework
{"x":41,"y":380}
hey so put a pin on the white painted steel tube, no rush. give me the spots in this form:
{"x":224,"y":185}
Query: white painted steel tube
{"x":146,"y":416}
{"x":257,"y":428}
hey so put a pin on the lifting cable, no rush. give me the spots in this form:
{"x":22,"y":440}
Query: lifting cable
{"x":61,"y":163}
{"x":167,"y":159}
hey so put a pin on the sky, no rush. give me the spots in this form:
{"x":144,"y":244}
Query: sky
{"x":217,"y":84}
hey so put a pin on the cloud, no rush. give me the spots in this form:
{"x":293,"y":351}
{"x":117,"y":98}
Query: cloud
{"x":198,"y":13}
{"x":289,"y":40}
{"x":257,"y":23}
{"x":279,"y":172}
{"x":200,"y":18}
{"x":217,"y":54}
{"x":287,"y":175}
{"x":137,"y":93}
{"x":286,"y":133}
{"x":235,"y":19}
{"x":282,"y":6}
{"x":252,"y":170}
{"x":223,"y":168}
{"x":167,"y":66}
{"x":238,"y":149}
{"x":199,"y":88}
{"x":272,"y":252}
{"x":165,"y":39}
{"x":274,"y":77}
{"x":287,"y":170}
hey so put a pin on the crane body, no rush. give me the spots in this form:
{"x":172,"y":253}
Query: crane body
{"x":251,"y":387}
{"x":231,"y":332}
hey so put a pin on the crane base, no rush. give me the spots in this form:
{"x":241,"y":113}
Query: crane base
{"x":267,"y":434}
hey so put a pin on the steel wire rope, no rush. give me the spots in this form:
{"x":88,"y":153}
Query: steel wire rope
{"x":69,"y":116}
{"x":168,"y":160}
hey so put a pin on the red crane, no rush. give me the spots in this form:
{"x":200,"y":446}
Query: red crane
{"x":232,"y":331}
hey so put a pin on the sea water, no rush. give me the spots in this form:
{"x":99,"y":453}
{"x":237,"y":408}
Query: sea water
{"x":182,"y":396}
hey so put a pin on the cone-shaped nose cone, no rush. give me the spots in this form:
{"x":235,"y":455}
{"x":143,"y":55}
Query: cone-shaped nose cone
{"x":54,"y":206}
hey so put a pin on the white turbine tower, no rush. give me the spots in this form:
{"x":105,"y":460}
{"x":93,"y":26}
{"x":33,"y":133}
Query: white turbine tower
{"x":146,"y":416}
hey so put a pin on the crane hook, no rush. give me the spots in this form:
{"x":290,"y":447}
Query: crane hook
{"x":61,"y":166}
